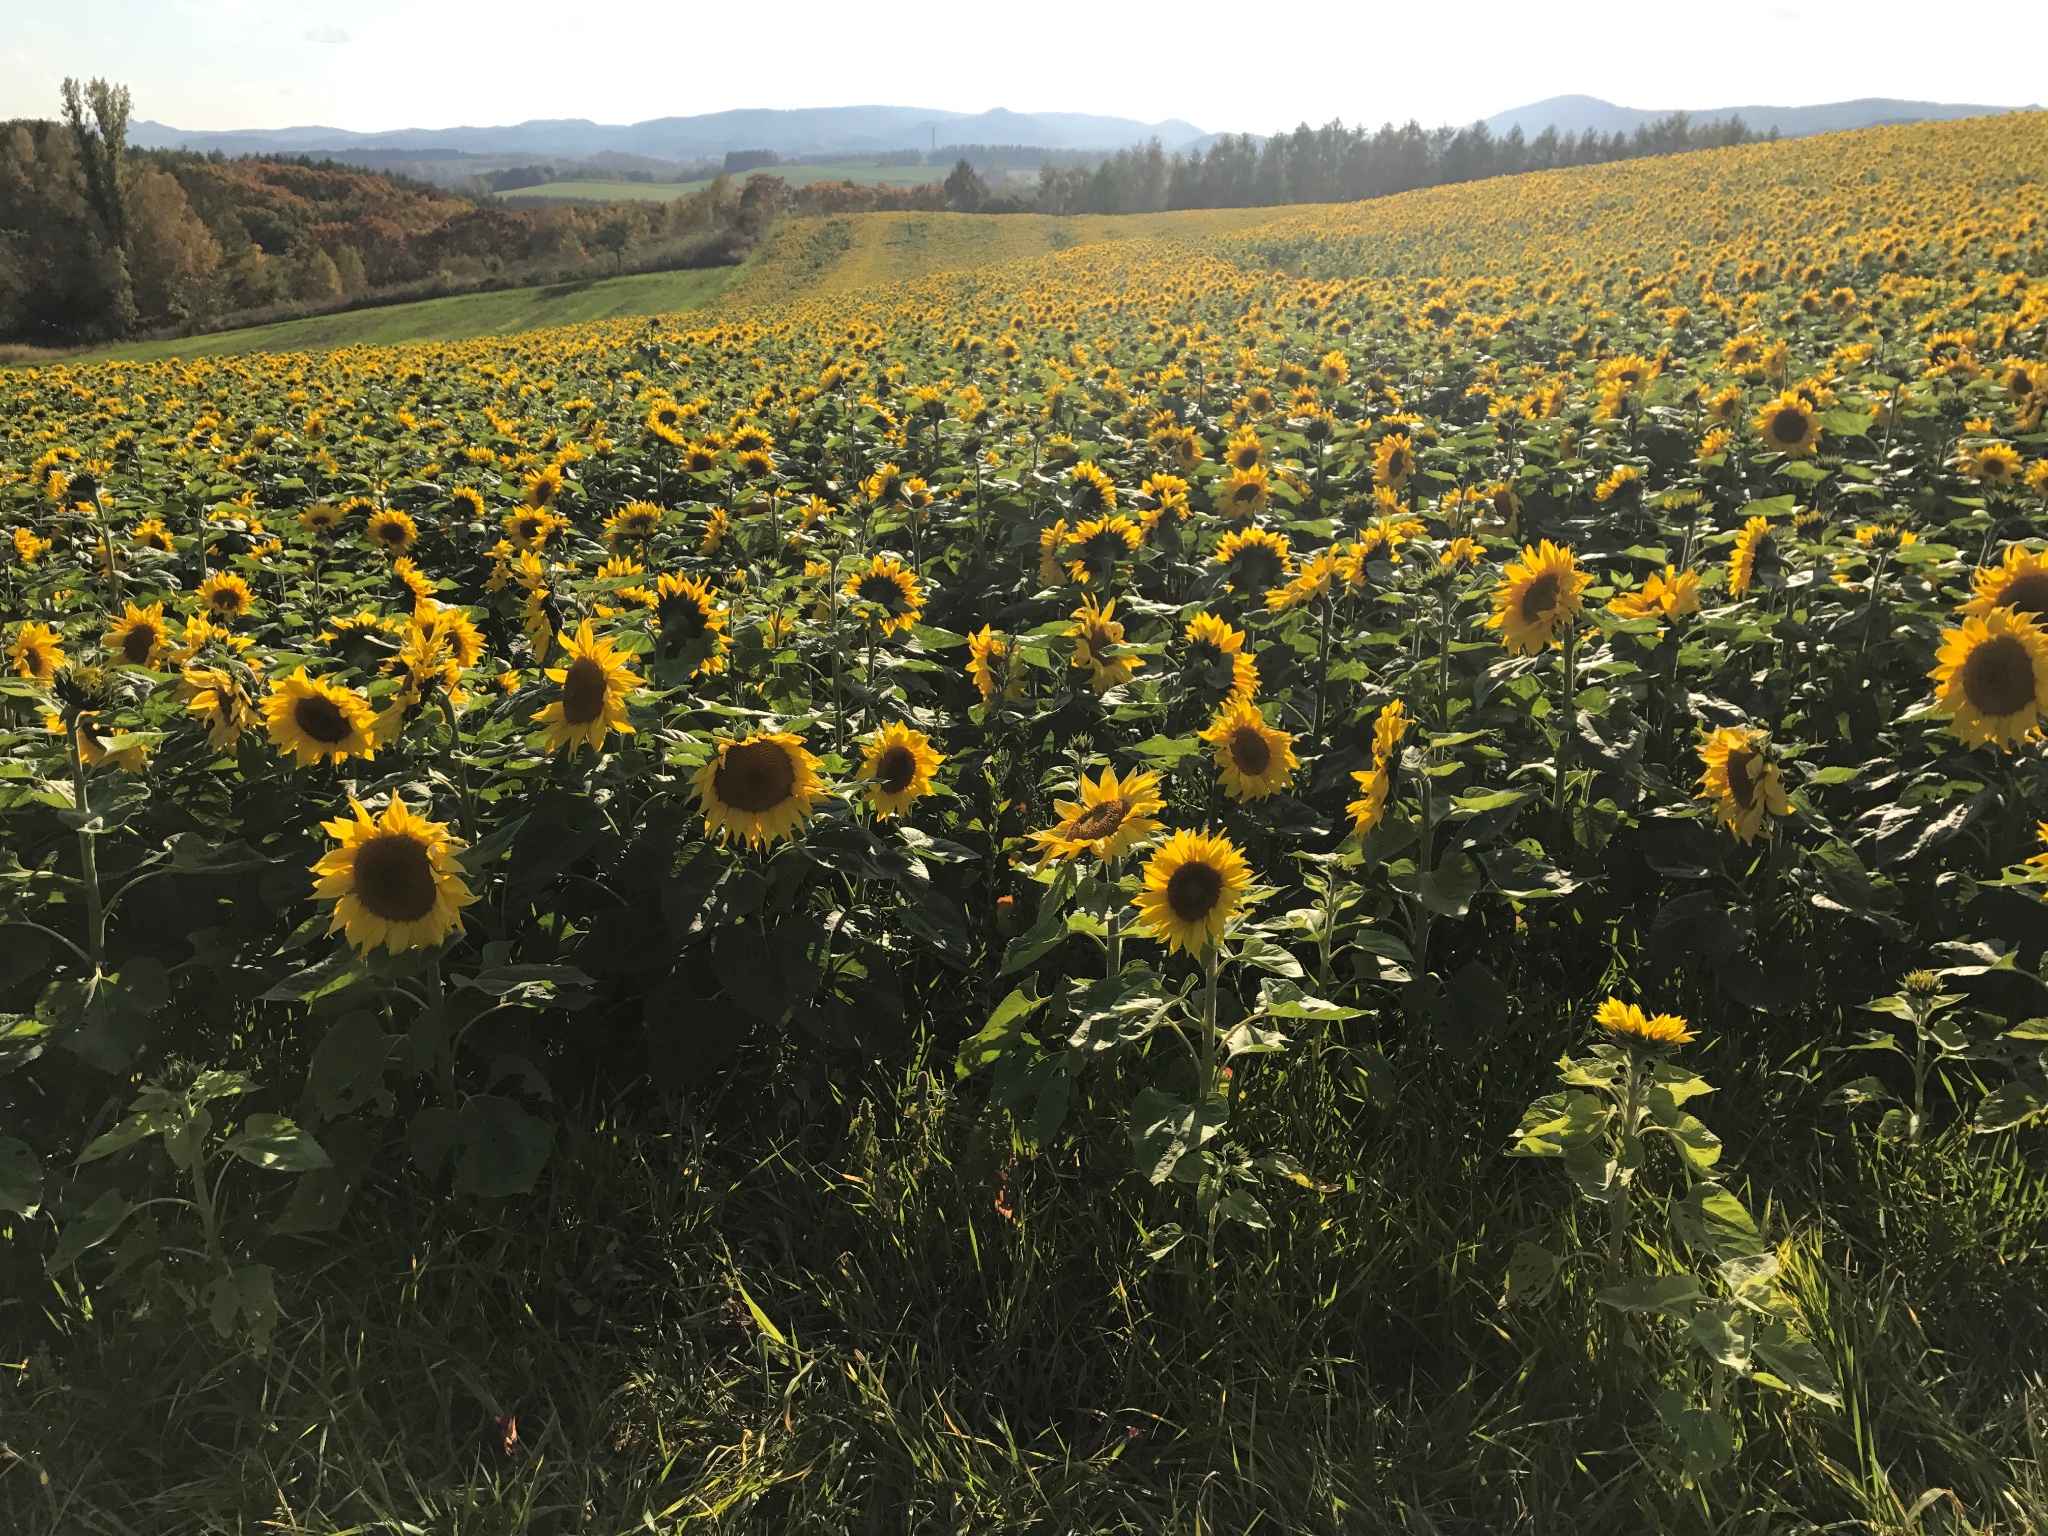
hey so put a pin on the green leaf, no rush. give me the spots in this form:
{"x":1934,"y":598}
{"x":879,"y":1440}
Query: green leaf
{"x":1000,"y":1036}
{"x":1675,"y":1296}
{"x":87,"y":1230}
{"x":2011,"y":1104}
{"x":1726,"y":1334}
{"x":1284,"y":1000}
{"x":1560,"y":1121}
{"x":272,"y":1141}
{"x":1267,"y":956}
{"x":1165,"y":1129}
{"x":1700,"y":1147}
{"x":500,"y":1149}
{"x":1532,"y":1274}
{"x":21,"y":1178}
{"x":1713,"y":1220}
{"x":347,"y":1069}
{"x":1786,"y":1360}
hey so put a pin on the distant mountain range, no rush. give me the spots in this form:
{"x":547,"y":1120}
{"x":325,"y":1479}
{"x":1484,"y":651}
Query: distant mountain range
{"x":1575,"y":114}
{"x":815,"y":131}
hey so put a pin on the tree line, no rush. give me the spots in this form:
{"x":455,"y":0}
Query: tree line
{"x":1339,"y":164}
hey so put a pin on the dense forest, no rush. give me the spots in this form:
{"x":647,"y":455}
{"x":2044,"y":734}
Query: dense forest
{"x":1336,"y":164}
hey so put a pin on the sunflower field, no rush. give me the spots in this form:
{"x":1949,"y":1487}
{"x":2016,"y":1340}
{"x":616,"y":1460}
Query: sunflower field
{"x":1368,"y":868}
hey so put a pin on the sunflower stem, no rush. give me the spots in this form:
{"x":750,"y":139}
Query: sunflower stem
{"x":1568,"y":708}
{"x":88,"y":859}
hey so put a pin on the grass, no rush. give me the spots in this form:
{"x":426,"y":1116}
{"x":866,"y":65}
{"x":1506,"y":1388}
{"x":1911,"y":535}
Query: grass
{"x":795,"y":175}
{"x":452,"y":319}
{"x":865,"y":1313}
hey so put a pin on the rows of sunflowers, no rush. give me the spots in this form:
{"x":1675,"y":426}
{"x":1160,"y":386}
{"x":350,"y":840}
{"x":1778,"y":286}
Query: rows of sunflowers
{"x":1137,"y":674}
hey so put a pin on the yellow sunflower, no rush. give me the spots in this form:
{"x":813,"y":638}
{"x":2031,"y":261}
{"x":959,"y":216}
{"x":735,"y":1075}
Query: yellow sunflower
{"x":37,"y":652}
{"x":898,"y":766}
{"x":312,"y":720}
{"x":1112,"y":816}
{"x":1253,"y":559}
{"x":1376,"y":784}
{"x":635,"y":520}
{"x":1537,"y":593}
{"x":215,"y":695}
{"x":1192,"y":886}
{"x":1671,"y":594}
{"x":595,"y":679}
{"x":531,"y":527}
{"x":1742,"y":781}
{"x":1393,"y":460}
{"x":1995,"y":464}
{"x":1786,"y":424}
{"x":1245,"y":493}
{"x":392,"y":531}
{"x":138,"y":637}
{"x":1099,"y":545}
{"x":892,"y":588}
{"x":93,"y":743}
{"x":151,"y":533}
{"x":1091,"y":489}
{"x":226,"y":595}
{"x":1756,"y":548}
{"x":2019,"y":581}
{"x":1628,"y":1025}
{"x":992,"y":664}
{"x":1991,"y":678}
{"x":321,"y":517}
{"x":1253,"y":759}
{"x":1099,"y":645}
{"x":393,"y":880}
{"x":692,"y":623}
{"x":1216,"y":656}
{"x":758,"y":789}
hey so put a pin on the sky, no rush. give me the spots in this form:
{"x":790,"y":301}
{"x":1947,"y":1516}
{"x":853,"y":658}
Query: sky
{"x":384,"y":64}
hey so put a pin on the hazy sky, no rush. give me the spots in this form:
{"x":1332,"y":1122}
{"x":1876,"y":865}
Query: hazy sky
{"x":370,"y":64}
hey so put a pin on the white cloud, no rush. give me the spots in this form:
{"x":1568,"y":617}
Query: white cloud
{"x":326,"y":35}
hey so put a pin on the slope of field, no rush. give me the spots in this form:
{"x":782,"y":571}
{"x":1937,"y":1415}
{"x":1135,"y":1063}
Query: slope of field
{"x":461,"y":318}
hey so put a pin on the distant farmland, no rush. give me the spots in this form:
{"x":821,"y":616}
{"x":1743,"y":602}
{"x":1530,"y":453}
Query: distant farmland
{"x":665,"y":191}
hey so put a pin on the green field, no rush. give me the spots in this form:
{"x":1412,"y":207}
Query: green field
{"x":453,"y":319}
{"x":662,"y":192}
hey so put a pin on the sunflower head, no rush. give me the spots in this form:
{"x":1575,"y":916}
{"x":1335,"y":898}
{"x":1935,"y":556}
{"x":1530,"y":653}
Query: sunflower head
{"x":226,"y":595}
{"x":1253,"y":760}
{"x":2019,"y":581}
{"x":1191,"y":888}
{"x":1253,"y":559}
{"x":897,"y":766}
{"x":1099,"y":645}
{"x":316,"y":720}
{"x":1787,"y":426}
{"x":1538,"y":594}
{"x":392,"y":531}
{"x":1742,"y":781}
{"x":1112,"y":816}
{"x":37,"y":652}
{"x":758,"y":789}
{"x":1627,"y":1025}
{"x":595,"y":679}
{"x":138,"y":638}
{"x":1991,"y":678}
{"x":393,"y":881}
{"x":992,"y":664}
{"x":894,"y":594}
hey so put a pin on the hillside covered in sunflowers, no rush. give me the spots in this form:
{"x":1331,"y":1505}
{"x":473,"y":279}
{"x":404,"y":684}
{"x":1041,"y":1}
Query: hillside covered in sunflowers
{"x":1216,"y":710}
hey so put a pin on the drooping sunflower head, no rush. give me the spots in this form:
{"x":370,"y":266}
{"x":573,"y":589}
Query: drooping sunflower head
{"x":1627,"y":1025}
{"x":1742,"y":781}
{"x":314,"y":720}
{"x":2019,"y":581}
{"x":897,"y":765}
{"x":1217,"y":662}
{"x":1099,"y":545}
{"x":1099,"y":645}
{"x":1991,"y":678}
{"x":1538,"y":594}
{"x":37,"y":652}
{"x":393,"y":881}
{"x":138,"y":638}
{"x":594,"y":678}
{"x":1091,"y":490}
{"x":1112,"y":816}
{"x":226,"y":595}
{"x":466,"y":504}
{"x":893,"y":590}
{"x":992,"y":664}
{"x":1192,"y":887}
{"x":758,"y":789}
{"x":1253,"y":760}
{"x":1786,"y":425}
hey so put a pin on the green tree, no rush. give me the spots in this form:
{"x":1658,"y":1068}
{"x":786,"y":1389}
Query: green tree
{"x":348,"y":262}
{"x":965,"y":189}
{"x":102,"y":148}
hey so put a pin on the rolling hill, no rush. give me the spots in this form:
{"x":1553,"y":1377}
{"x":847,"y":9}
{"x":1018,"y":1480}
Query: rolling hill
{"x":1576,"y":114}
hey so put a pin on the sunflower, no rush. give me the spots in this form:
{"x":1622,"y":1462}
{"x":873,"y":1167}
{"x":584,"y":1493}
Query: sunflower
{"x":452,"y":627}
{"x":1253,"y":559}
{"x":151,"y":533}
{"x":1628,"y":1025}
{"x":393,"y":881}
{"x":991,"y":663}
{"x":1216,"y":657}
{"x":1245,"y":493}
{"x":1376,"y":784}
{"x":1393,"y":460}
{"x":1099,"y":645}
{"x":1112,"y":816}
{"x":750,"y":439}
{"x":419,"y":586}
{"x":92,"y":743}
{"x":1787,"y":425}
{"x":635,"y":520}
{"x":666,"y":421}
{"x":540,"y":488}
{"x":530,"y":527}
{"x":313,"y":719}
{"x":691,"y":622}
{"x":1756,"y":549}
{"x":1671,"y":594}
{"x":1253,"y":759}
{"x":1090,"y":489}
{"x":1192,"y":886}
{"x":1991,"y":678}
{"x":392,"y":531}
{"x":321,"y":517}
{"x":700,"y":458}
{"x":595,"y":679}
{"x":215,"y":695}
{"x":898,"y":767}
{"x":893,"y":590}
{"x":1536,"y":594}
{"x":225,"y":595}
{"x":1244,"y":452}
{"x":138,"y":636}
{"x":1996,"y":464}
{"x":466,"y":503}
{"x":758,"y":789}
{"x":2019,"y":581}
{"x":37,"y":652}
{"x":1742,"y":781}
{"x":1098,"y":545}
